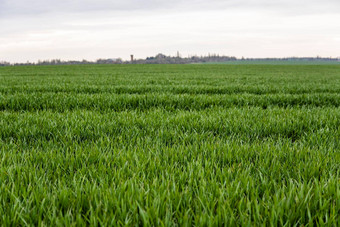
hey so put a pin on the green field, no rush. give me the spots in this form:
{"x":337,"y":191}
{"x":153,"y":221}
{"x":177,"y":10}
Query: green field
{"x":278,"y":62}
{"x":167,"y":145}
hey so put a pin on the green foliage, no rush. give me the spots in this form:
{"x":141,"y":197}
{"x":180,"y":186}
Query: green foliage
{"x":170,"y":145}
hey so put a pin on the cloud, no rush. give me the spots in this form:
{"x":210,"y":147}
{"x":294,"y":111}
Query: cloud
{"x":74,"y":29}
{"x":32,"y":7}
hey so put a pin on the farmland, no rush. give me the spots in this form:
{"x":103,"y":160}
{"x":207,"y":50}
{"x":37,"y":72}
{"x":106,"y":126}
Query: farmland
{"x":168,"y":145}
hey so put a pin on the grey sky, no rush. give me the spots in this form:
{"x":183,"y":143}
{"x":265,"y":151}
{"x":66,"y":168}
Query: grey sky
{"x":91,"y":29}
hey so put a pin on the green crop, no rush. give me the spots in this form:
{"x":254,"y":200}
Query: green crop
{"x":170,"y":145}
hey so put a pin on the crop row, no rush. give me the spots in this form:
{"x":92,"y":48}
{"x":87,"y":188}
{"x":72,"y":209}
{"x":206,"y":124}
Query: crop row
{"x":316,"y":127}
{"x":108,"y":102}
{"x":171,"y":89}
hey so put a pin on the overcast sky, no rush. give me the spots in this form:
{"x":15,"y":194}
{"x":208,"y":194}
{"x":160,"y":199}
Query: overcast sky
{"x":92,"y":29}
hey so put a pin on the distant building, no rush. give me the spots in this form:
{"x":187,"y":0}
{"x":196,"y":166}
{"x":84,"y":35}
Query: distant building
{"x":160,"y":56}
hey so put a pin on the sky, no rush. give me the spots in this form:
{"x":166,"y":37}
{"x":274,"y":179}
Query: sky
{"x":33,"y":30}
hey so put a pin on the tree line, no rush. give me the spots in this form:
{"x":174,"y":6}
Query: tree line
{"x":164,"y":59}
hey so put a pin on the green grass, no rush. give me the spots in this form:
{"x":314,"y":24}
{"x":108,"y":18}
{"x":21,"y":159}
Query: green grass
{"x":167,"y":145}
{"x":278,"y":62}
